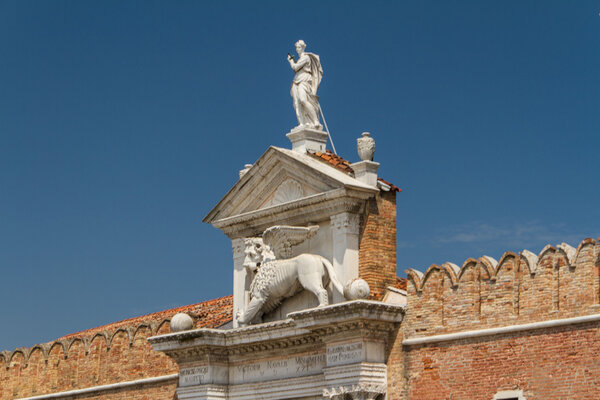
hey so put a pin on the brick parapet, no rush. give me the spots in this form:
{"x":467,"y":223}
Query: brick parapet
{"x":560,"y":282}
{"x":105,"y":355}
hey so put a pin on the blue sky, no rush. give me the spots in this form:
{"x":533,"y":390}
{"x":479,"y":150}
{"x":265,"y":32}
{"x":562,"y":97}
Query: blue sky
{"x":122,"y":123}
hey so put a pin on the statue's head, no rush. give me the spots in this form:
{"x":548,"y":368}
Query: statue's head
{"x":253,"y":253}
{"x":256,"y":253}
{"x":300,"y":46}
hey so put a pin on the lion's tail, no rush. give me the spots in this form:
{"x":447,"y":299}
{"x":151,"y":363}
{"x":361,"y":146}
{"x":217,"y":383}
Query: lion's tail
{"x":332,"y":275}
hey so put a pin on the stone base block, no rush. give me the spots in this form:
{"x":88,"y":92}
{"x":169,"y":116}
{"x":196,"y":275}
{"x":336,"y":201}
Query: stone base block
{"x":307,"y":139}
{"x":366,"y":172}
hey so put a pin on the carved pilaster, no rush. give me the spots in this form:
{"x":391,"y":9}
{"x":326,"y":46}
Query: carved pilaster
{"x":356,"y":392}
{"x":345,"y":229}
{"x":239,"y":277}
{"x":347,"y":222}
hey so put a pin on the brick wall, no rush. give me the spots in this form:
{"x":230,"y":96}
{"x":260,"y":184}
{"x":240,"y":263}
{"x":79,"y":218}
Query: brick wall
{"x":549,"y":363}
{"x":377,"y":251}
{"x":114,"y":353}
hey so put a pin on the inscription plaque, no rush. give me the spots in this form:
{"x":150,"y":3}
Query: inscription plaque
{"x":278,"y":369}
{"x":193,"y":376}
{"x":347,"y":353}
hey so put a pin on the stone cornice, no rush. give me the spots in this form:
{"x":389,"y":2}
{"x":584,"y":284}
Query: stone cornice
{"x":344,"y":312}
{"x":301,"y":329}
{"x":236,"y":336}
{"x":360,"y":318}
{"x":312,"y":208}
{"x":101,"y":388}
{"x":412,"y":341}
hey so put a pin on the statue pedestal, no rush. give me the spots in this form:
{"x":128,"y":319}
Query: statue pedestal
{"x":337,"y":352}
{"x":366,"y":172}
{"x":307,"y":139}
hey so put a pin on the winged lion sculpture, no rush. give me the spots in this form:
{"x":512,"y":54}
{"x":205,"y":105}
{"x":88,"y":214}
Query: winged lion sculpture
{"x":278,"y":276}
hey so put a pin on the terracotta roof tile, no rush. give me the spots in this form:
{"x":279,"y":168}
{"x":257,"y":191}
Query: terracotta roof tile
{"x":208,"y":314}
{"x":345,"y":166}
{"x":393,"y":187}
{"x":335,"y":160}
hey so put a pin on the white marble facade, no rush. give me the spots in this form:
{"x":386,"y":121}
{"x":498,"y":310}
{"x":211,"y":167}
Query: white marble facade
{"x":293,"y":188}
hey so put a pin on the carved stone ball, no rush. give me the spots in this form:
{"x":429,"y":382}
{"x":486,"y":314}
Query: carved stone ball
{"x":357,"y":289}
{"x":181,"y":322}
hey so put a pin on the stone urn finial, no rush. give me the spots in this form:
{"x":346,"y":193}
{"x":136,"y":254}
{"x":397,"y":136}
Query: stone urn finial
{"x":366,"y":147}
{"x":246,"y":169}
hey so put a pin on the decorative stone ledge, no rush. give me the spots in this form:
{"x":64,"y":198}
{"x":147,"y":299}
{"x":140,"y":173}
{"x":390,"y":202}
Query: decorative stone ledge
{"x":316,"y":207}
{"x":356,"y":392}
{"x":347,"y":311}
{"x":330,"y":350}
{"x":102,"y":388}
{"x":413,"y":341}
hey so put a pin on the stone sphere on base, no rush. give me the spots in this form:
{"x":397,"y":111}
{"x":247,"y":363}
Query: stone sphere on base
{"x":357,"y":289}
{"x":181,"y":322}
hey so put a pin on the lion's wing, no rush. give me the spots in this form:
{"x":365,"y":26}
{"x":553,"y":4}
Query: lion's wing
{"x":281,"y":238}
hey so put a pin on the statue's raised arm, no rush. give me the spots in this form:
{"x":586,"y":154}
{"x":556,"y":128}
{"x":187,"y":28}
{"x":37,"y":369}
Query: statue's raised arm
{"x":308,"y":74}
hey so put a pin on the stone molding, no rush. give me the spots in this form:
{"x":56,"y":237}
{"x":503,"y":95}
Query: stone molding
{"x":356,"y":392}
{"x":509,"y":394}
{"x":205,"y":392}
{"x":347,"y":221}
{"x":372,"y":374}
{"x":316,"y":207}
{"x":101,"y":388}
{"x":501,"y":330}
{"x":350,"y":310}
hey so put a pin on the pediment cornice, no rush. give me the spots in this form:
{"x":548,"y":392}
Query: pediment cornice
{"x":287,"y":186}
{"x":304,"y":211}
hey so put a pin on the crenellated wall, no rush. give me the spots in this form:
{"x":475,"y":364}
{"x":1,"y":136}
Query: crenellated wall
{"x":538,"y":349}
{"x":560,"y":282}
{"x":114,"y":353}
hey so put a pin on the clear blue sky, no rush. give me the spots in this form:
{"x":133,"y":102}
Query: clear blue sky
{"x":122,"y":123}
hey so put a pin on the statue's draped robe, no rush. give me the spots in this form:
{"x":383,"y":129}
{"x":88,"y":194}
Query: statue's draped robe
{"x":306,"y":82}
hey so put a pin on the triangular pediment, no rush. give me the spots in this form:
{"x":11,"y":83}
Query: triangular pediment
{"x":279,"y":177}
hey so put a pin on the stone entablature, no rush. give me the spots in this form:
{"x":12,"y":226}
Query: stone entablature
{"x":318,"y":352}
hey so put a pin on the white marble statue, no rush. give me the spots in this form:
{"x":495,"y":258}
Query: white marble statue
{"x":277,"y":277}
{"x":304,"y":86}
